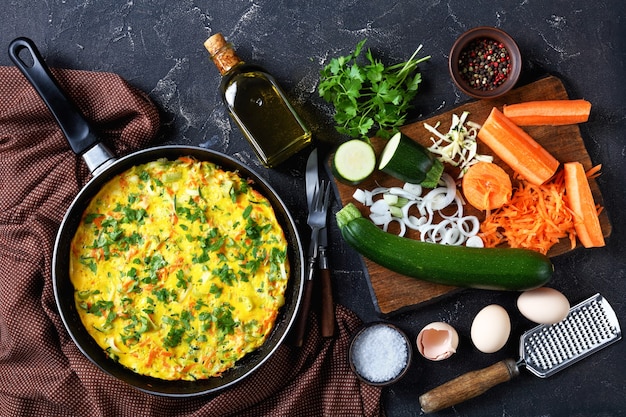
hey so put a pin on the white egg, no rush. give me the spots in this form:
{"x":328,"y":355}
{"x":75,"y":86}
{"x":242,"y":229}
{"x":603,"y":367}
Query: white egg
{"x":491,"y":329}
{"x":437,"y":341}
{"x":543,"y":305}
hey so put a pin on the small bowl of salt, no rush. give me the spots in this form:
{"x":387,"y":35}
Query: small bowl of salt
{"x":380,"y":353}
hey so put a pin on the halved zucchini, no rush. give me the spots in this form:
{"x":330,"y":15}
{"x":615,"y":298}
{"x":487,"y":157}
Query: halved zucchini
{"x":407,"y":160}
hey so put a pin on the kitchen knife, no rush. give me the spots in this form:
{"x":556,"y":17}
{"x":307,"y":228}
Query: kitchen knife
{"x":311,"y":184}
{"x":311,"y":177}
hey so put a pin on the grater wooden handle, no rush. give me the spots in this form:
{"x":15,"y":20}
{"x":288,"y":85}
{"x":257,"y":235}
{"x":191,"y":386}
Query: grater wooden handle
{"x":467,"y":386}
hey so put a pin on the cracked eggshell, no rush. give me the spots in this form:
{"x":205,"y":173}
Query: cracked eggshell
{"x":437,"y":341}
{"x":491,"y":329}
{"x":543,"y":305}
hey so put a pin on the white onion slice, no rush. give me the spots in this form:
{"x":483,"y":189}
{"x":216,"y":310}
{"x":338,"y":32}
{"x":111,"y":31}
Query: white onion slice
{"x":400,"y":222}
{"x":415,"y":189}
{"x":474,"y":242}
{"x":397,"y":191}
{"x":379,"y":190}
{"x":413,"y":222}
{"x":469,"y":225}
{"x":379,"y":207}
{"x":441,"y":197}
{"x":452,"y":236}
{"x":380,"y":219}
{"x":459,"y":210}
{"x":360,"y":195}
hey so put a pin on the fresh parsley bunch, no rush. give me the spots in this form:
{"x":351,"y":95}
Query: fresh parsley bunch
{"x":369,"y":96}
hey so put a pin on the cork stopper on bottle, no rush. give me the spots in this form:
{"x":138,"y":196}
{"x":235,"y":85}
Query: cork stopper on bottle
{"x":222,"y":53}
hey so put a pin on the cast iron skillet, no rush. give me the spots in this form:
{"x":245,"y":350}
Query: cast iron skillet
{"x":104,"y":166}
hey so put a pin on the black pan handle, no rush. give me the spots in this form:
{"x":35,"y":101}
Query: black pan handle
{"x":68,"y":116}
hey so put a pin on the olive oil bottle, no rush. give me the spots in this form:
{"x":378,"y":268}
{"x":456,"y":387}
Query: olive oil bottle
{"x":258,"y":105}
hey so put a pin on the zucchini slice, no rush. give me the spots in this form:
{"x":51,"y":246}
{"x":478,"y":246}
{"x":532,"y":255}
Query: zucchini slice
{"x":354,"y":161}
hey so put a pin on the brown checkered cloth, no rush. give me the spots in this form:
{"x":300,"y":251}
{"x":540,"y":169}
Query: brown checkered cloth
{"x":42,"y":372}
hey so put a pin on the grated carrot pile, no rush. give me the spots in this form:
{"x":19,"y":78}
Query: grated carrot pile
{"x":535,"y":218}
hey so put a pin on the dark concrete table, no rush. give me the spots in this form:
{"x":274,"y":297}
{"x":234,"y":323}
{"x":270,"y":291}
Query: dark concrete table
{"x":157,"y":46}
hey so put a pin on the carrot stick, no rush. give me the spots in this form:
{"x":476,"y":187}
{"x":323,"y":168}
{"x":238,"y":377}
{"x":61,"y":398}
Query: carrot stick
{"x":581,"y":203}
{"x":517,"y":149}
{"x":594,"y":172}
{"x":486,"y":186}
{"x":548,"y":112}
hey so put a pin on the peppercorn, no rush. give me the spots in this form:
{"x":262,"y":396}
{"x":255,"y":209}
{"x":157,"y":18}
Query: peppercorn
{"x":484,"y":64}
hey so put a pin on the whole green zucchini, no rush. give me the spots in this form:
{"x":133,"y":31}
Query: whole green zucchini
{"x":485,"y":268}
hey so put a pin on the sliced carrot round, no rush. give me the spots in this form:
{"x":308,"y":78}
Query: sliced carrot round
{"x":486,"y":186}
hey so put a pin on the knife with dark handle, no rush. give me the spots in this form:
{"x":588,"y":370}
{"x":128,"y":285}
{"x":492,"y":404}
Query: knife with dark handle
{"x":302,"y":320}
{"x":312,"y":184}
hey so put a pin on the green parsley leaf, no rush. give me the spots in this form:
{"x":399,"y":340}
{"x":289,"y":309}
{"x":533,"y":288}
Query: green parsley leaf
{"x":368,"y":95}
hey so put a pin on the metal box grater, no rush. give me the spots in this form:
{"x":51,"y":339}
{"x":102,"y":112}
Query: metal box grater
{"x":590,"y":326}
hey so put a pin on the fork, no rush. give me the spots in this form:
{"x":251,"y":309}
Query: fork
{"x":316,"y":221}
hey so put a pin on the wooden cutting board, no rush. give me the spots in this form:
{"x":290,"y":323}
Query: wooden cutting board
{"x":394,"y":292}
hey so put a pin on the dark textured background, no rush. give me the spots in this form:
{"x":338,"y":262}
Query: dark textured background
{"x":157,"y":46}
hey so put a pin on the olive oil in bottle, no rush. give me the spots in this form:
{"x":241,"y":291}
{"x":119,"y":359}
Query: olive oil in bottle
{"x":258,"y":105}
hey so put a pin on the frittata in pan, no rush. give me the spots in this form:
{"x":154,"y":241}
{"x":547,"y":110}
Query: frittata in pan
{"x":179,"y":269}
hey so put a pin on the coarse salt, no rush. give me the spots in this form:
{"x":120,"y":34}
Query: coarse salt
{"x":379,"y":353}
